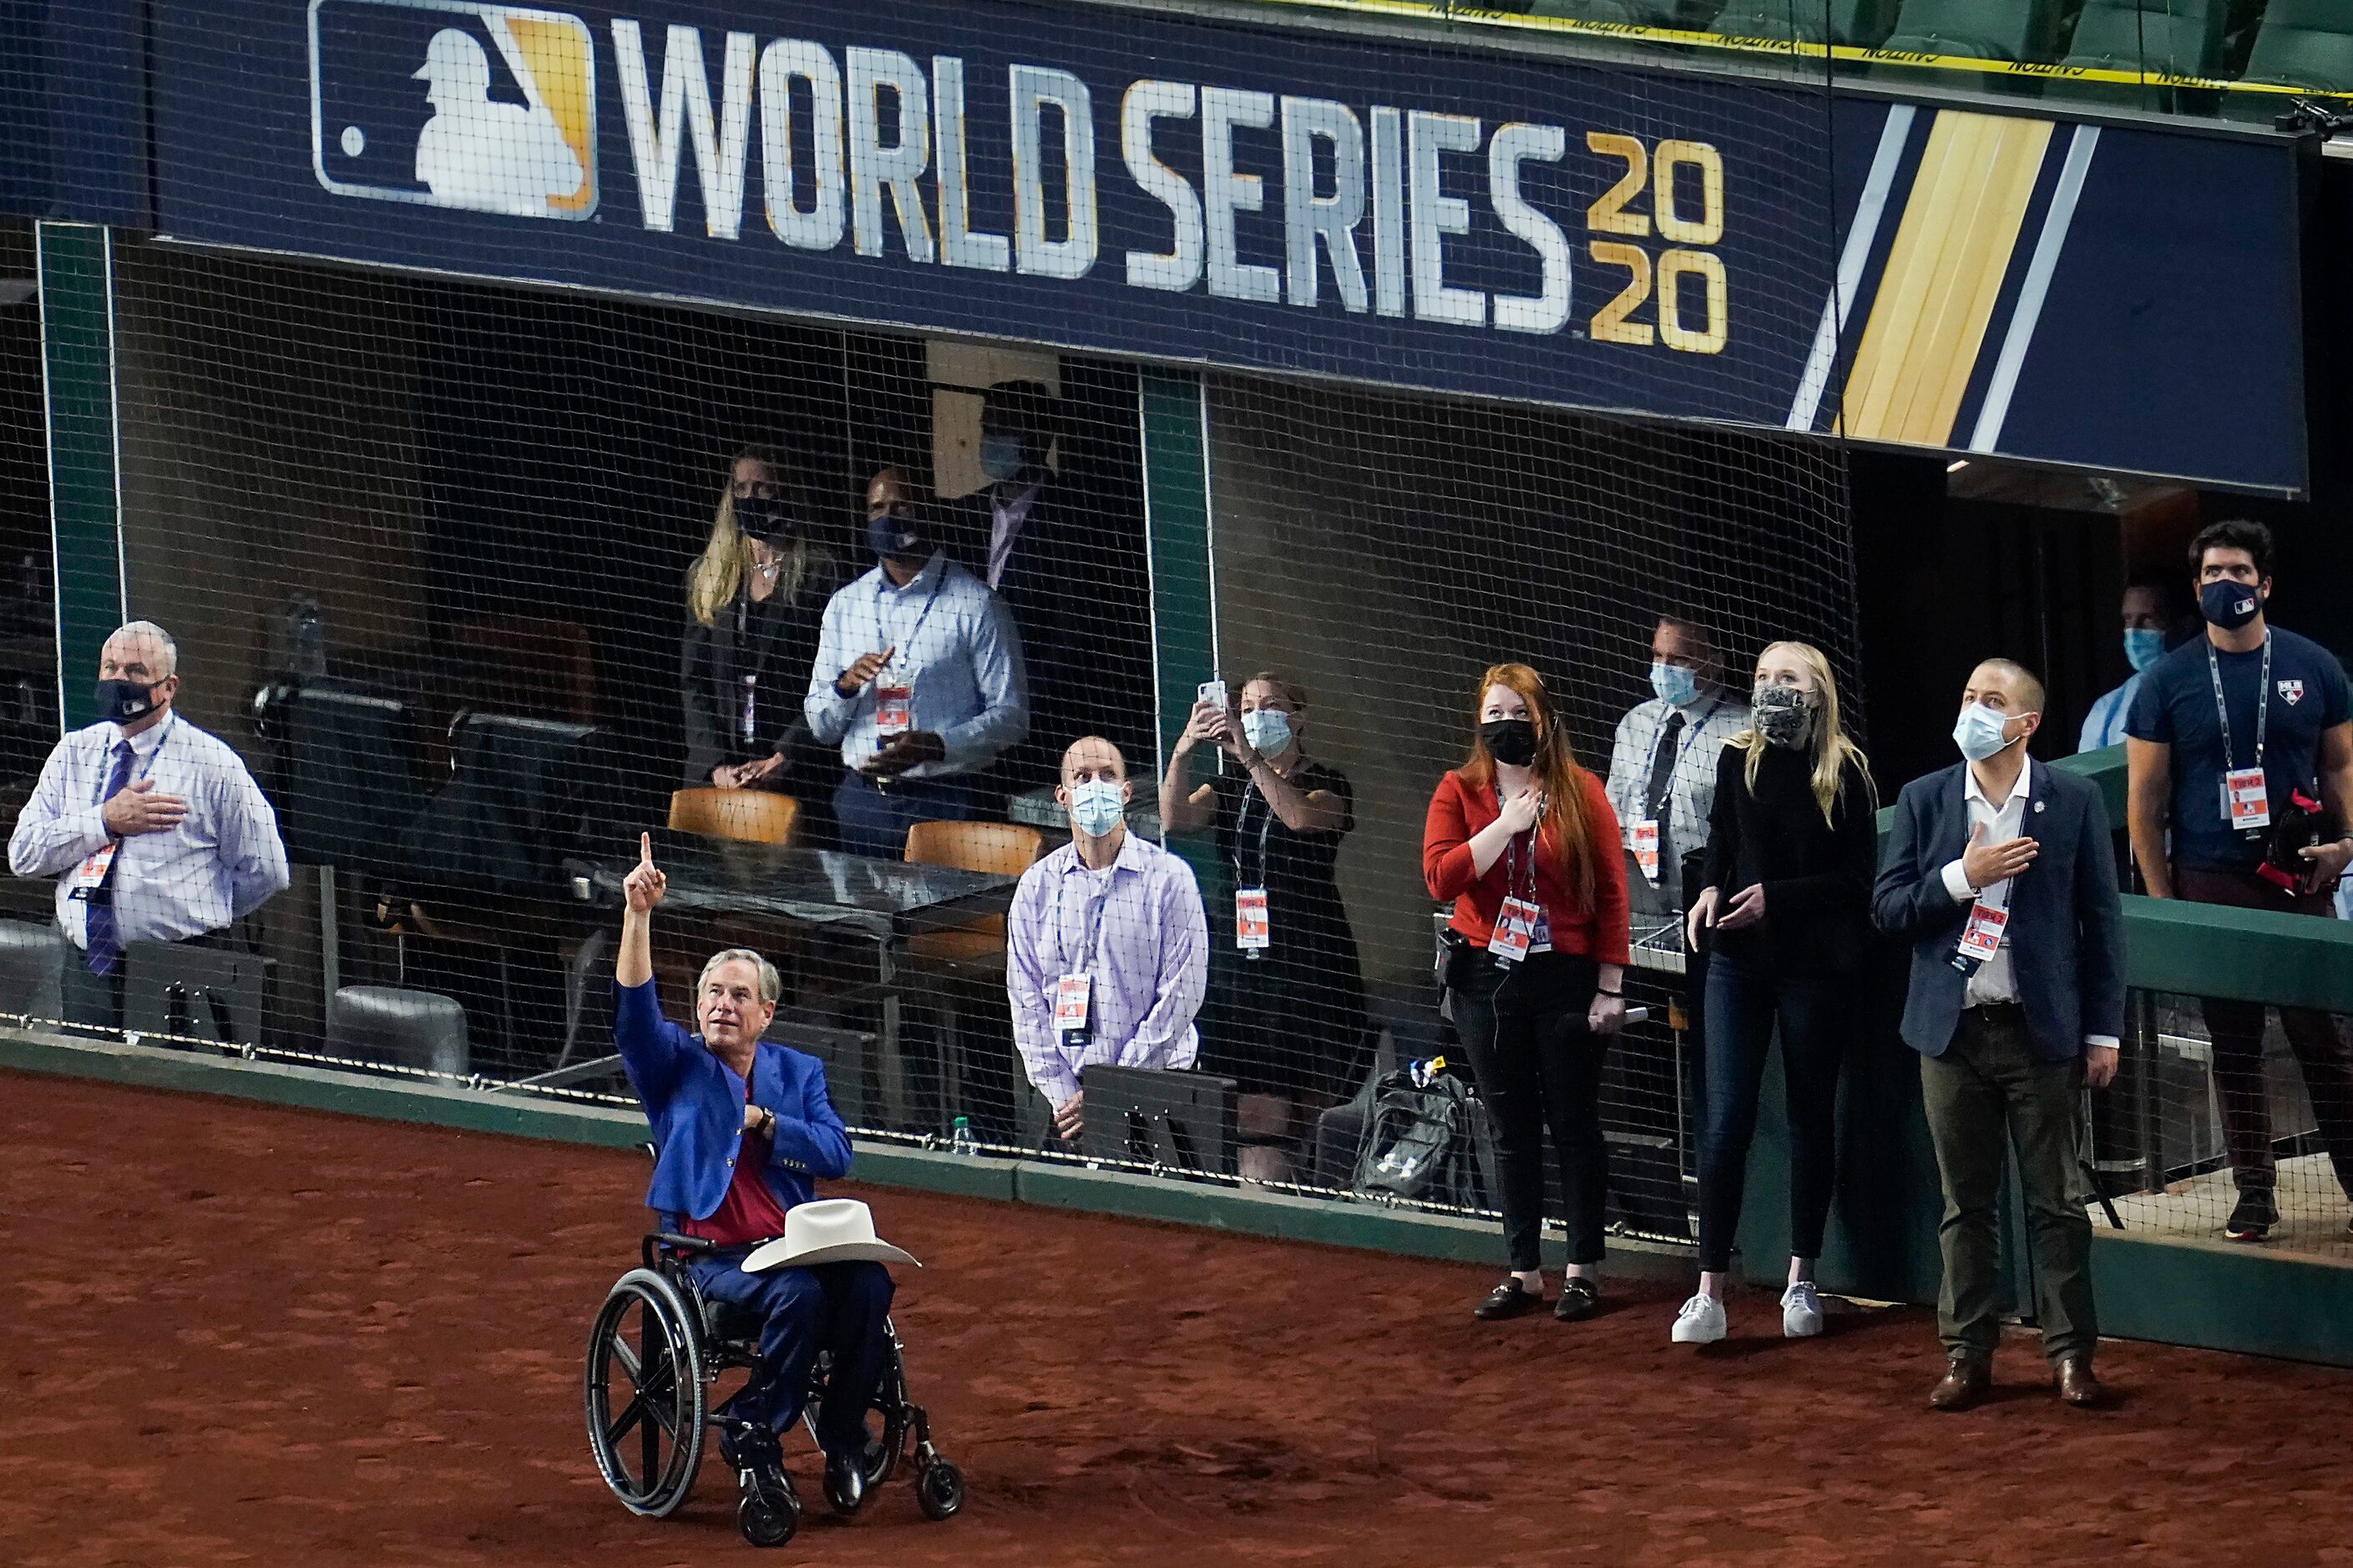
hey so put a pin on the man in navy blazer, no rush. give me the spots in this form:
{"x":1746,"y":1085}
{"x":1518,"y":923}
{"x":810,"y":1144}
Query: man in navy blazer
{"x":2001,"y":875}
{"x":742,"y":1130}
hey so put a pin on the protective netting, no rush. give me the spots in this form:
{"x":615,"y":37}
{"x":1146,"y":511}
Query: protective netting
{"x":479,"y":560}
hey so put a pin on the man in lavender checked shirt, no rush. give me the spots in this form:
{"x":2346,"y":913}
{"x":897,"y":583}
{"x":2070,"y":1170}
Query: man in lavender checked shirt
{"x":1106,"y":948}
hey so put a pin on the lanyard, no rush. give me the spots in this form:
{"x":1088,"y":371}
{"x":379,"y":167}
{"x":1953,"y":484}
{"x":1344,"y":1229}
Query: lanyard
{"x":1512,"y":887}
{"x":2262,"y":703}
{"x":1242,"y":832}
{"x":1095,"y":919}
{"x":106,"y":768}
{"x":904,"y":646}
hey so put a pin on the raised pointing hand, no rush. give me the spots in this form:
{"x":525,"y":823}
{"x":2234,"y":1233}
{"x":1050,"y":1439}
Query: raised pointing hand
{"x":644,"y":886}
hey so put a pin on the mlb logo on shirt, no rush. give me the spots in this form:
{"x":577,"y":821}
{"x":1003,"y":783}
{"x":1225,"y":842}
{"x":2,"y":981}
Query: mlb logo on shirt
{"x":488,"y":108}
{"x":2291,"y":691}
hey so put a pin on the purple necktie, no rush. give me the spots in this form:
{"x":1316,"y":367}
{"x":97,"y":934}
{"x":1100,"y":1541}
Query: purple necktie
{"x":104,"y":947}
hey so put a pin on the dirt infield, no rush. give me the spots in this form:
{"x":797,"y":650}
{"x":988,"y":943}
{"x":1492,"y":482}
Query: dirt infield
{"x":253,"y":1336}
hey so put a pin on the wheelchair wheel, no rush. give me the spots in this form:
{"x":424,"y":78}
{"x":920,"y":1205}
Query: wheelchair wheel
{"x":768,"y":1519}
{"x":939,"y":1491}
{"x":643,"y":1392}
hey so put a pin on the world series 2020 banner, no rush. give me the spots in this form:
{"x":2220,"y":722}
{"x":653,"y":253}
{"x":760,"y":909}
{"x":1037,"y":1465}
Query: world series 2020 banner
{"x":1385,"y":212}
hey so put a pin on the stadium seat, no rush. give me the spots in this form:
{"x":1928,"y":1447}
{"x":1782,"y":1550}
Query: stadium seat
{"x":1005,"y":848}
{"x":421,"y":1029}
{"x":745,"y":816}
{"x":1860,"y":24}
{"x":1969,"y":29}
{"x":2304,"y":43}
{"x":2183,"y":37}
{"x":31,"y":959}
{"x":1637,"y":13}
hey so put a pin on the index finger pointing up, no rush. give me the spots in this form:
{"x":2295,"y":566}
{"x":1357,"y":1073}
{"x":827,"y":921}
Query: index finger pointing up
{"x":645,"y":850}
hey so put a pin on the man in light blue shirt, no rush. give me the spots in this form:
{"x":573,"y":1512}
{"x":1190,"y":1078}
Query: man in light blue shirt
{"x":153,"y":830}
{"x":1662,"y":766}
{"x":919,"y":680}
{"x":2145,"y":618}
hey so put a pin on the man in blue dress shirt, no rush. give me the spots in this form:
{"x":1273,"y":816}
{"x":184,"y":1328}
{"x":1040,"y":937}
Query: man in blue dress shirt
{"x":743,"y":1129}
{"x":920,"y":681}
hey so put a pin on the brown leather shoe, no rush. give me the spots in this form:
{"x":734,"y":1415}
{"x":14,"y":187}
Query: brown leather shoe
{"x":2077,"y":1385}
{"x":1968,"y":1379}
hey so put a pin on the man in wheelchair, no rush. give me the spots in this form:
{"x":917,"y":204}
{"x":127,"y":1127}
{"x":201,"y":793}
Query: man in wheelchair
{"x":742,"y":1130}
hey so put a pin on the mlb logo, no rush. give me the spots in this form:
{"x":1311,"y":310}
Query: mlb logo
{"x":483,"y":107}
{"x":2292,"y":692}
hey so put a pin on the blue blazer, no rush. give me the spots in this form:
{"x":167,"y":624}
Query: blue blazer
{"x":695,"y":1103}
{"x":2066,"y":950}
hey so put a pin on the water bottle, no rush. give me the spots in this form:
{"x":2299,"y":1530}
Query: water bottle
{"x":960,"y":1138}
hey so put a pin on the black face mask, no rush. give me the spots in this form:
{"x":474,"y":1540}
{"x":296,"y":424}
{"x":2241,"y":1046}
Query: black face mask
{"x":764,"y":519}
{"x":897,"y":536}
{"x":125,"y":701}
{"x":2229,"y":604}
{"x":1511,"y":741}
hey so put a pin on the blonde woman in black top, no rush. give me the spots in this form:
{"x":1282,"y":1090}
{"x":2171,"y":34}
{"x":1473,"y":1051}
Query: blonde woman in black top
{"x":754,"y":599}
{"x":1786,"y":907}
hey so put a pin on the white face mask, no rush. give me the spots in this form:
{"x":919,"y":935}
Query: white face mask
{"x":1267,"y":731}
{"x":1979,"y":732}
{"x":1097,"y":806}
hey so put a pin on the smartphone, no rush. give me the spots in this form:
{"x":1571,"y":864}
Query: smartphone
{"x":1213,"y":692}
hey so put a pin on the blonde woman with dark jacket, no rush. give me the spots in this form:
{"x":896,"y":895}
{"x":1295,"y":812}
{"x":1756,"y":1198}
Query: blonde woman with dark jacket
{"x":754,"y":599}
{"x":1786,"y":909}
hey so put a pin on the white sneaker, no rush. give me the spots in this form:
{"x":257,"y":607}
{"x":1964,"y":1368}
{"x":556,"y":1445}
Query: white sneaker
{"x":1801,"y":1310}
{"x":1701,"y":1321}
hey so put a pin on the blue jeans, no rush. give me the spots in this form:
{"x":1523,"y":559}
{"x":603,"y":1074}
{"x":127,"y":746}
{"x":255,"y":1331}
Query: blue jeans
{"x":1743,"y":999}
{"x":836,"y":1307}
{"x":874,"y":822}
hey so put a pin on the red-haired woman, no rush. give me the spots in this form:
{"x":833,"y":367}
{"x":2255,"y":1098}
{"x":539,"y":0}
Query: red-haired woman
{"x":1523,"y":841}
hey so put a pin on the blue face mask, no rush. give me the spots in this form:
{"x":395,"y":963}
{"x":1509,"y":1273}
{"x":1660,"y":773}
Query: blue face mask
{"x":1267,"y":731}
{"x":1001,"y":454}
{"x":2144,"y":645}
{"x":1096,"y":807}
{"x":1979,"y":732}
{"x":1676,"y":687}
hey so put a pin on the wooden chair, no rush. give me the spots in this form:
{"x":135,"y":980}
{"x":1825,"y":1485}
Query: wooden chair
{"x":1006,"y":848}
{"x":745,"y":816}
{"x":951,"y":972}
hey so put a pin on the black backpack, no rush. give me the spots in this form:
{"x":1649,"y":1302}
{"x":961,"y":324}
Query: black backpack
{"x":1424,"y":1142}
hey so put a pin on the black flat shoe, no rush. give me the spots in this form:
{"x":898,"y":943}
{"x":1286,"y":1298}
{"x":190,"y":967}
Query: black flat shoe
{"x":1509,"y":1299}
{"x":1580,"y":1299}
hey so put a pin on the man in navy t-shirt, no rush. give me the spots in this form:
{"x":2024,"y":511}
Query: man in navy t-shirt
{"x":2224,"y":733}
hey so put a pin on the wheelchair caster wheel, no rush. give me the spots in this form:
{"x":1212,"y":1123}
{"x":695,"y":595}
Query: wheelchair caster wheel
{"x":939,"y":1491}
{"x":769,"y":1515}
{"x":766,"y":1519}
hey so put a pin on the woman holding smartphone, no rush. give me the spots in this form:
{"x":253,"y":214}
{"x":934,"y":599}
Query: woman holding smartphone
{"x":1523,"y":841}
{"x":1785,"y":905}
{"x":1287,"y":1017}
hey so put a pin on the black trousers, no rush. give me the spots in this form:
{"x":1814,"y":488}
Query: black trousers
{"x":2317,"y":1040}
{"x":1538,"y":1065}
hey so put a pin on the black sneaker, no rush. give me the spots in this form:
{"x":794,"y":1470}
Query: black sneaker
{"x":1509,"y":1299}
{"x":2252,"y":1218}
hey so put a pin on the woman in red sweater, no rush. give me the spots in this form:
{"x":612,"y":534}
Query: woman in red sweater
{"x":1523,"y":841}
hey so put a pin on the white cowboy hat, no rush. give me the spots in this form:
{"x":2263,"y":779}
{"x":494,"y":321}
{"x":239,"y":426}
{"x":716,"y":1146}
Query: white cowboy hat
{"x":830,"y":1230}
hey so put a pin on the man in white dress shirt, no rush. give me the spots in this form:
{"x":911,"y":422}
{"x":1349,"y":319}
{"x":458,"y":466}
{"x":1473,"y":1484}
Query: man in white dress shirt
{"x":153,"y":830}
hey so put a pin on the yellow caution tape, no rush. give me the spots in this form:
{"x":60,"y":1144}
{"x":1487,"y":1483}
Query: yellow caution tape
{"x":1424,"y":10}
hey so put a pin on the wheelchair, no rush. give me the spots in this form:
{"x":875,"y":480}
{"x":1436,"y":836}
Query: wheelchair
{"x":655,"y":1352}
